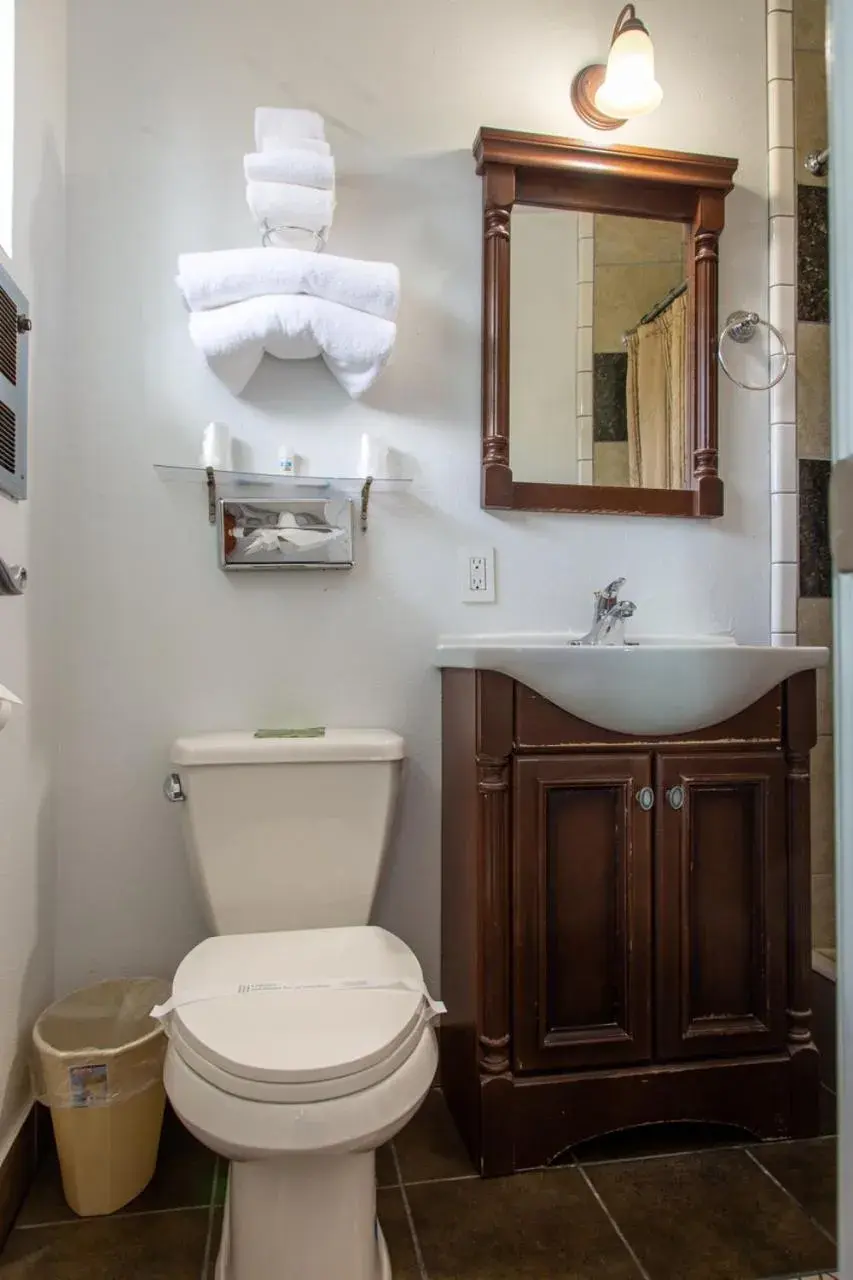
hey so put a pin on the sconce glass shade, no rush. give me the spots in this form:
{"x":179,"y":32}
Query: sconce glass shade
{"x":630,"y":88}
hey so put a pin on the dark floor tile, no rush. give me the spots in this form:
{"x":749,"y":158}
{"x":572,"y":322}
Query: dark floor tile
{"x":809,"y":1171}
{"x":395,"y":1226}
{"x":386,"y":1170}
{"x":398,"y":1236}
{"x":213,"y":1246}
{"x":430,"y":1147}
{"x":182,"y":1180}
{"x":220,"y":1182}
{"x":535,"y":1226}
{"x":167,"y":1246}
{"x":713,"y":1216}
{"x":658,"y":1140}
{"x":16,"y":1174}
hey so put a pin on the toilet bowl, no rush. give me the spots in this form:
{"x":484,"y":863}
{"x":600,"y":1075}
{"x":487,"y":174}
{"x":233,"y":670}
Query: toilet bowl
{"x":295,"y":1051}
{"x":281,"y":1065}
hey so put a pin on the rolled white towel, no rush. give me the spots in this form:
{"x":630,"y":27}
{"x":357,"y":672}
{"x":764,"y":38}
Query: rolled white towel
{"x":302,"y":168}
{"x":226,"y":276}
{"x":355,"y":346}
{"x":283,"y":204}
{"x":277,"y":127}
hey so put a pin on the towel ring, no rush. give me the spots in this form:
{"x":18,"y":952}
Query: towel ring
{"x":267,"y":233}
{"x":741,"y":327}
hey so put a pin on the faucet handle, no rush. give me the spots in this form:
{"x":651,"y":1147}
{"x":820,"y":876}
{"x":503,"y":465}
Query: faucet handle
{"x":613,"y":588}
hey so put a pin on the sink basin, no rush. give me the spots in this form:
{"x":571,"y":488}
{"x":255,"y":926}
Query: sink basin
{"x":649,"y":686}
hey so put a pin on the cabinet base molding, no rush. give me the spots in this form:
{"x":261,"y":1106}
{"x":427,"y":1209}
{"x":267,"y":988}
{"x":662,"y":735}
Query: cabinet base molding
{"x":539,"y":1118}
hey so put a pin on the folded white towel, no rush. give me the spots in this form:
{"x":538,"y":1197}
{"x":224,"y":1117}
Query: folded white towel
{"x":355,"y":346}
{"x":277,"y":127}
{"x":282,"y":204}
{"x":226,"y":276}
{"x":302,"y":168}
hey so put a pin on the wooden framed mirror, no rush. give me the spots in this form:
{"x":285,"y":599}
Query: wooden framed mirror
{"x":600,"y":326}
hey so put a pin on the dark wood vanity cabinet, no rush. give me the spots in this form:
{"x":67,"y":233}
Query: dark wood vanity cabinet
{"x":626,"y":933}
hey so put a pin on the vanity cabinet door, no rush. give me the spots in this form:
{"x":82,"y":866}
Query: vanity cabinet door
{"x":582,"y":882}
{"x":721,"y":894}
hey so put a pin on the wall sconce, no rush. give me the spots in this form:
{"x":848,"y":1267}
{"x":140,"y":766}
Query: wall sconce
{"x":606,"y":97}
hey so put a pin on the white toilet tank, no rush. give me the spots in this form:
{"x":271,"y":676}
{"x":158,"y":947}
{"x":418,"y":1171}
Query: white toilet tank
{"x":288,"y":833}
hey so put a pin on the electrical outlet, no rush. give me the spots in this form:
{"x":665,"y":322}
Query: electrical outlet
{"x":477,"y":571}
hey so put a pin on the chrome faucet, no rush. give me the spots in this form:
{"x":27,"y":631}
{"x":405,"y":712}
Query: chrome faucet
{"x":609,"y":616}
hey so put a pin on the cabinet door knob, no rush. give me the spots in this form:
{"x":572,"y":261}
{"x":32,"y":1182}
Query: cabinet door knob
{"x":646,"y":798}
{"x":675,"y":797}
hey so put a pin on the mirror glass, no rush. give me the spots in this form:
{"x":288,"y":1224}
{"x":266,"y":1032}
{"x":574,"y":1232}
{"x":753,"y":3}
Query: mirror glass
{"x":599,"y":339}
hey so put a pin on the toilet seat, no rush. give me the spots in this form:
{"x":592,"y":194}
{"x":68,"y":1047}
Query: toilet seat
{"x":308,"y":1042}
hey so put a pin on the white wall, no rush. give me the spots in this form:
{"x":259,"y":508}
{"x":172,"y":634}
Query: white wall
{"x":156,"y":640}
{"x":28,"y":536}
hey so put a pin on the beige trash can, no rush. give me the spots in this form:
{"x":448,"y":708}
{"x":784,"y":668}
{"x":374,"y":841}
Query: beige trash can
{"x":99,"y":1067}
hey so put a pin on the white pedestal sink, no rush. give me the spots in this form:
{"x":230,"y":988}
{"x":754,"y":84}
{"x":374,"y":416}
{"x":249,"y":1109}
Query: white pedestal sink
{"x":649,"y":686}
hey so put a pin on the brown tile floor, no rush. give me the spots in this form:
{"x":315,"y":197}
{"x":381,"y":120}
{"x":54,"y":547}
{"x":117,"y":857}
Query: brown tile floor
{"x":676,"y":1204}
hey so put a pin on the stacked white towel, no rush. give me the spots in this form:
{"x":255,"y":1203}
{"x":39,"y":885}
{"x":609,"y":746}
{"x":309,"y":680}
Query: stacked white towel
{"x":290,"y":177}
{"x":294,"y":305}
{"x":287,"y":301}
{"x":355,"y":346}
{"x":226,"y":276}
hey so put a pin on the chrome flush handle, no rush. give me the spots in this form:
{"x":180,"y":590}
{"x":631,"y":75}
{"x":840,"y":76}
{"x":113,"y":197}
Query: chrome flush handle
{"x":173,"y":790}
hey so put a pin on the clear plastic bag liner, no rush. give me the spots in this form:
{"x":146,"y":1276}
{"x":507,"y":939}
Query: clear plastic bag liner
{"x":99,"y":1046}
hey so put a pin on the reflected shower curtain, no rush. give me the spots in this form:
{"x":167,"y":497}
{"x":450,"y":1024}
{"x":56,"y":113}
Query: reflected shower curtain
{"x":657,"y":407}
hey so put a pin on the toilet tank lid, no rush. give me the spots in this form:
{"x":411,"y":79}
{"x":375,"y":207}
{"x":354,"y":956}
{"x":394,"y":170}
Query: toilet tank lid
{"x":275,"y":747}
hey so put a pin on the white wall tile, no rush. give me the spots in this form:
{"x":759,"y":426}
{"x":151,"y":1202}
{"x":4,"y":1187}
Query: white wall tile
{"x":781,"y":180}
{"x":783,"y":397}
{"x":780,"y":45}
{"x":586,"y":224}
{"x":585,"y":471}
{"x":586,"y":260}
{"x":784,"y":639}
{"x":783,"y":251}
{"x":585,"y":303}
{"x":783,"y":312}
{"x":784,"y":582}
{"x":783,"y":457}
{"x":780,"y":6}
{"x":584,"y":396}
{"x":584,"y":349}
{"x":780,"y":113}
{"x":783,"y":528}
{"x":584,"y":427}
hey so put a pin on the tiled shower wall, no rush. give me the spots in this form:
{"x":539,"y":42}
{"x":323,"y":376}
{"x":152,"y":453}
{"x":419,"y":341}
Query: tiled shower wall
{"x":814,"y":607}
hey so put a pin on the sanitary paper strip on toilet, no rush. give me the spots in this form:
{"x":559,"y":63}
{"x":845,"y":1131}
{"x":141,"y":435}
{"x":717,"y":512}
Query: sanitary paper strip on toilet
{"x":436,"y":1007}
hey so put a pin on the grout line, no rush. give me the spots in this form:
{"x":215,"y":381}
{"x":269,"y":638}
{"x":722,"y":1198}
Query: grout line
{"x":211,"y":1215}
{"x":791,"y":1196}
{"x":416,"y":1244}
{"x":456,"y":1177}
{"x":614,"y":1224}
{"x":112,"y":1217}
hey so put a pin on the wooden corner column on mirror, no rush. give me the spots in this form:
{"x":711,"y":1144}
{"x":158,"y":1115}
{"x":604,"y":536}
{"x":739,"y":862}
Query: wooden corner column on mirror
{"x":553,"y":174}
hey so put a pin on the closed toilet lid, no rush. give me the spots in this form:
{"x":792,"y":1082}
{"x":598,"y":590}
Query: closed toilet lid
{"x":308,"y":1031}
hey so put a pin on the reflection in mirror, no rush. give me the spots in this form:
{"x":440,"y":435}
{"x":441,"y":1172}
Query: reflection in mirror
{"x":543,"y":328}
{"x":599,"y":320}
{"x":640,"y":324}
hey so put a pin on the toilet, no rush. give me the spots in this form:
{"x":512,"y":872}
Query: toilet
{"x":300,"y":1037}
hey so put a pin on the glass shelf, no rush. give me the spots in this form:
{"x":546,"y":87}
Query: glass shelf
{"x":274,"y":481}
